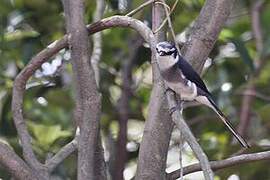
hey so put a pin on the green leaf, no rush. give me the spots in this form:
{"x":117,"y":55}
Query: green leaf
{"x":225,"y":34}
{"x":241,"y":48}
{"x":46,"y":135}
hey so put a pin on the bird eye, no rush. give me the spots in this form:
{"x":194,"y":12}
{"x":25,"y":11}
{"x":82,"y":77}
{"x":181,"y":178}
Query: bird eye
{"x":157,"y":49}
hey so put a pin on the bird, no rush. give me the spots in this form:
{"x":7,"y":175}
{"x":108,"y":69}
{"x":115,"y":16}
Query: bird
{"x":181,"y":78}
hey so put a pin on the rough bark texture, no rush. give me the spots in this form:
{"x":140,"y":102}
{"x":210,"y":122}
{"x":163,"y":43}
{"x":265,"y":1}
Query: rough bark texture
{"x":205,"y":31}
{"x":158,"y":126}
{"x":15,"y":165}
{"x":88,"y":99}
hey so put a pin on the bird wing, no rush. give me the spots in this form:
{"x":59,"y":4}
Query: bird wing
{"x":191,"y":74}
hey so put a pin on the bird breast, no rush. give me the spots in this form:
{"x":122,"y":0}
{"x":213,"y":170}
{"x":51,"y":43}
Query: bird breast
{"x":176,"y":81}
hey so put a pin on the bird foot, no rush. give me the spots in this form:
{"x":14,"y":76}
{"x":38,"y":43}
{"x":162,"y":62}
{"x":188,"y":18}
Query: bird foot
{"x":177,"y":107}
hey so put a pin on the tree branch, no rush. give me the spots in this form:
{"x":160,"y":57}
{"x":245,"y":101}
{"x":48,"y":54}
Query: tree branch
{"x":123,"y":106}
{"x":97,"y":40}
{"x":60,"y":156}
{"x":189,"y":137}
{"x":158,"y":126}
{"x":88,"y":99}
{"x":256,"y":24}
{"x":205,"y":31}
{"x":17,"y":101}
{"x":215,"y":165}
{"x":100,"y":166}
{"x":251,"y":87}
{"x":15,"y":165}
{"x":131,"y":13}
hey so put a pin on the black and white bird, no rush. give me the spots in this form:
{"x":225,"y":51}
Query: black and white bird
{"x":180,"y":77}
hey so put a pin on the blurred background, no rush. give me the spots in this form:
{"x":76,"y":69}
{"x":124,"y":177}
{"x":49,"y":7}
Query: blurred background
{"x":237,"y":72}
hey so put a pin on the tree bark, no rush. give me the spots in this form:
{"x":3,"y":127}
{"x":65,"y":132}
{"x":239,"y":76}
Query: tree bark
{"x":88,"y":99}
{"x":158,"y":126}
{"x":15,"y":165}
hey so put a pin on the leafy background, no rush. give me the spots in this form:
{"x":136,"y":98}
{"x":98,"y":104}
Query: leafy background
{"x":28,"y":26}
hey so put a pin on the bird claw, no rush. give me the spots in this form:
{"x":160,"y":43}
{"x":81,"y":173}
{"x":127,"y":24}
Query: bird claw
{"x":173,"y":109}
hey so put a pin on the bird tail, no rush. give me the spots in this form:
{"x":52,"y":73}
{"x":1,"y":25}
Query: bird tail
{"x":228,"y":124}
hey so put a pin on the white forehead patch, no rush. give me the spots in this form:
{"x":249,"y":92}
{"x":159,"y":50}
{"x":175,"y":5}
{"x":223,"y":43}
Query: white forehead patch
{"x":165,"y":47}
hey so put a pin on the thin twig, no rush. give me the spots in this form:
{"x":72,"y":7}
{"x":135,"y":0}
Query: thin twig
{"x":215,"y":165}
{"x":166,"y":19}
{"x":164,"y":4}
{"x":255,"y":94}
{"x":181,"y":148}
{"x":131,"y":13}
{"x":189,"y":137}
{"x":97,"y":41}
{"x":171,"y":26}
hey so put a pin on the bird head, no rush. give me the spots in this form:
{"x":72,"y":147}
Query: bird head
{"x":166,"y":49}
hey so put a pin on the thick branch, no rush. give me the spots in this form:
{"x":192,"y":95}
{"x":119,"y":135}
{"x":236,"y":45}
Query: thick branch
{"x":205,"y":31}
{"x":17,"y":100}
{"x":14,"y":164}
{"x":158,"y":126}
{"x":88,"y":99}
{"x":215,"y":165}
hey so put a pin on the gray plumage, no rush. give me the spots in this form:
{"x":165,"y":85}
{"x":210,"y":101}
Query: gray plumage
{"x":184,"y":80}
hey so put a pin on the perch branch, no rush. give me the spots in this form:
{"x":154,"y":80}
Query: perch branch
{"x":189,"y":137}
{"x":215,"y":165}
{"x":158,"y":126}
{"x":183,"y":127}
